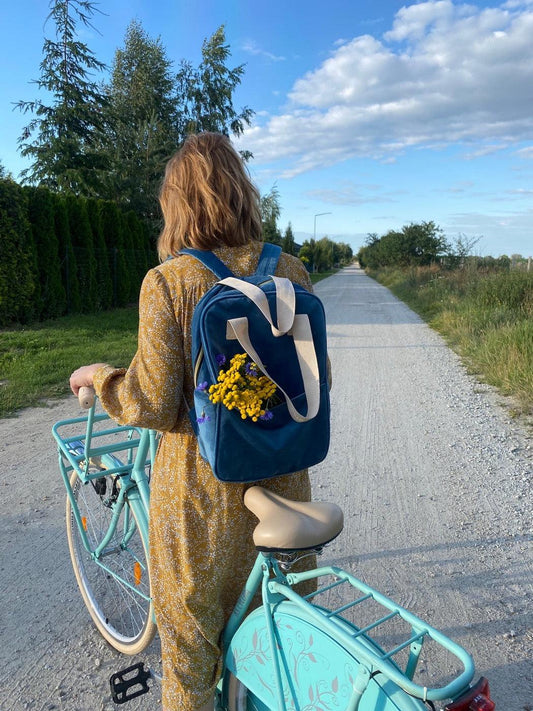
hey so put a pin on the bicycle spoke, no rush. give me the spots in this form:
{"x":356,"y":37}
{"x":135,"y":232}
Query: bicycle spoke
{"x":116,"y":587}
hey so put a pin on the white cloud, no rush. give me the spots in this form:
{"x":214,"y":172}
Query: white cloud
{"x":253,"y":48}
{"x":349,"y":193}
{"x":444,"y":73}
{"x":526,"y":152}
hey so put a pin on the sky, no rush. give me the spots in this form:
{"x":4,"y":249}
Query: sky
{"x":369,"y":114}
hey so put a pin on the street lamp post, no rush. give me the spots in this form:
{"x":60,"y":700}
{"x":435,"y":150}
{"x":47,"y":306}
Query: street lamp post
{"x":318,"y":215}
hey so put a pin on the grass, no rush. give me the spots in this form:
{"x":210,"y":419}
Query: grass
{"x":318,"y":276}
{"x":36,"y":361}
{"x":487,"y":318}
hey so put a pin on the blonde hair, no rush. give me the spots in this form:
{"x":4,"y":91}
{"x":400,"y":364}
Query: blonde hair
{"x":207,"y":197}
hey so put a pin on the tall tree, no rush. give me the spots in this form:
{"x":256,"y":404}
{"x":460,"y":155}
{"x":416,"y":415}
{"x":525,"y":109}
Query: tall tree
{"x":415,"y":245}
{"x":61,"y":138}
{"x":141,"y":121}
{"x":270,"y":211}
{"x":287,"y":242}
{"x":308,"y":254}
{"x":205,"y":94}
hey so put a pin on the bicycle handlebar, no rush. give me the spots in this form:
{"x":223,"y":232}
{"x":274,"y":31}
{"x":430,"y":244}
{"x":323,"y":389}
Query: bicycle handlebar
{"x":86,"y":397}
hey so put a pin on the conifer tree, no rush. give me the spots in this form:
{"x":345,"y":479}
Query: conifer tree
{"x":205,"y":94}
{"x":139,"y":261}
{"x":113,"y":227}
{"x":141,"y":122}
{"x":61,"y":138}
{"x":17,"y":280}
{"x":52,"y":297}
{"x":104,"y":294}
{"x":82,"y":243}
{"x":287,"y":243}
{"x":270,"y":212}
{"x":68,"y":263}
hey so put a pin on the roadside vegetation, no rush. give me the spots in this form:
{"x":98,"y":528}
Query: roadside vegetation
{"x":485,"y":314}
{"x":36,"y":361}
{"x":482,"y":306}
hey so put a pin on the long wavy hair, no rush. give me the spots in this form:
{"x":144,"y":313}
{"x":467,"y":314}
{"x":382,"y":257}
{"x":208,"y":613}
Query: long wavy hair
{"x":207,"y":197}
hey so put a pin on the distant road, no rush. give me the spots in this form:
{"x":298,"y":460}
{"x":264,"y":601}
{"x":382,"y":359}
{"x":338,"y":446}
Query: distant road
{"x":433,"y":476}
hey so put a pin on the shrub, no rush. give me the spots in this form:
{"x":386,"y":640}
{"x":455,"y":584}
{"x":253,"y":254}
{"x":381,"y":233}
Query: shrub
{"x":51,"y":301}
{"x":17,"y":279}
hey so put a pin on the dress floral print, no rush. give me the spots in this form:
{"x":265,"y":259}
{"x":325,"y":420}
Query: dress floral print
{"x":201,"y":547}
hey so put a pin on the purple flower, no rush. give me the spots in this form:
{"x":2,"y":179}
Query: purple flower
{"x":201,"y":387}
{"x":251,"y":369}
{"x":203,"y":418}
{"x":220,"y":359}
{"x":267,"y":416}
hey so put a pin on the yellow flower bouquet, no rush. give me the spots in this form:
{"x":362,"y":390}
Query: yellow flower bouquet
{"x":243,"y":387}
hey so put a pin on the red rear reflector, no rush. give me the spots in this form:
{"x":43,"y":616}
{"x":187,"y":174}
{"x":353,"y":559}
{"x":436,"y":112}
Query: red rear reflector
{"x":476,"y":699}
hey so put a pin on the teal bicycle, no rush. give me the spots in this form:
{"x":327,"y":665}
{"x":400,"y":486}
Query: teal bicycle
{"x":345,"y":646}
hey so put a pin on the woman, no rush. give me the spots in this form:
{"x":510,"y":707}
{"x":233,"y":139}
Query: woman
{"x":201,"y":547}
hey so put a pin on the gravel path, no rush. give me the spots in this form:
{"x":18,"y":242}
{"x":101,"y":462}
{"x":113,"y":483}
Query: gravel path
{"x":433,"y":475}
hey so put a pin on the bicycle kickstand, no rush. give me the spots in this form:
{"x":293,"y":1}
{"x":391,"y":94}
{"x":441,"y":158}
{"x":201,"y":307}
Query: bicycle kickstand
{"x":129,"y":683}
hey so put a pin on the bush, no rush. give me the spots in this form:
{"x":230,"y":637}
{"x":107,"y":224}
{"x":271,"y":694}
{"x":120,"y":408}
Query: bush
{"x":17,"y":255}
{"x":51,"y":301}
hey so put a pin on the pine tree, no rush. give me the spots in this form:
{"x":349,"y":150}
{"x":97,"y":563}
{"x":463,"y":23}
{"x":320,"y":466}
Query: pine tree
{"x":205,"y":94}
{"x":141,"y":122}
{"x":270,"y":212}
{"x":61,"y":138}
{"x":287,"y":243}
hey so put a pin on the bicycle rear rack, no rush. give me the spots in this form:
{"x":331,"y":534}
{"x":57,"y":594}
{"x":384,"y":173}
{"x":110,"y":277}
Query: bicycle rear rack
{"x":365,"y":647}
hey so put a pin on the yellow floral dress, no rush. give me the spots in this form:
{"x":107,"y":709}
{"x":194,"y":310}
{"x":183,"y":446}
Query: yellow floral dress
{"x":201,"y":547}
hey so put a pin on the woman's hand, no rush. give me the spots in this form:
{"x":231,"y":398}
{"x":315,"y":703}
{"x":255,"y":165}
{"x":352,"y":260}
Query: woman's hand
{"x":83,"y":377}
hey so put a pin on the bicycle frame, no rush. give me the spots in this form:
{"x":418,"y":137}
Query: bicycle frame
{"x":79,"y":453}
{"x":284,"y":677}
{"x":290,"y":653}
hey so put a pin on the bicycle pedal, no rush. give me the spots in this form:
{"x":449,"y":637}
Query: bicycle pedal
{"x":123,"y":683}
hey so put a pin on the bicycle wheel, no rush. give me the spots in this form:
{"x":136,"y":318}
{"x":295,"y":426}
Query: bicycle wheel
{"x":114,"y":594}
{"x":240,"y":698}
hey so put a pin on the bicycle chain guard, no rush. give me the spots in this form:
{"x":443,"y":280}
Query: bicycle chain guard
{"x":121,"y":682}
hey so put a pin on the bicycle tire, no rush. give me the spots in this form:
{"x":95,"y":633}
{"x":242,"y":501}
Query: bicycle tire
{"x":123,"y":618}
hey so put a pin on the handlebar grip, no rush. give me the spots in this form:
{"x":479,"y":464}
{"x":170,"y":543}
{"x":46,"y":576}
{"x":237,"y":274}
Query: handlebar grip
{"x":86,"y":397}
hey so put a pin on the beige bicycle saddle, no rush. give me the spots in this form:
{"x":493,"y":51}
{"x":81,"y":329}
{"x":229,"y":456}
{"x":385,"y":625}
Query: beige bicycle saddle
{"x":291,"y":525}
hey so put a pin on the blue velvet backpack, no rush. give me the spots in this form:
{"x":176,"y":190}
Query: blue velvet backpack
{"x":259,"y":352}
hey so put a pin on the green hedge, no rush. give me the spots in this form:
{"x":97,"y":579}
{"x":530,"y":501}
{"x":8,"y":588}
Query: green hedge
{"x":65,"y":254}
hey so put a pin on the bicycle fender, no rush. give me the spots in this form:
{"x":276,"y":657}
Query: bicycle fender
{"x":316,"y":670}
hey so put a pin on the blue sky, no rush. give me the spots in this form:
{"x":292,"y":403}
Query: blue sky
{"x":379,"y":113}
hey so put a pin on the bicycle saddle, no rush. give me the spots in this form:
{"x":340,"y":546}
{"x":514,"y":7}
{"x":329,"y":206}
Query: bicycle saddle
{"x":291,"y":525}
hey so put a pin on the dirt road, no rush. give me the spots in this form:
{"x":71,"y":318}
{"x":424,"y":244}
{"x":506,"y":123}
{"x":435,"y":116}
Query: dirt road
{"x":433,"y":475}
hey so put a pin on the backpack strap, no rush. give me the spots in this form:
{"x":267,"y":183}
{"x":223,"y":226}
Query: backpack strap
{"x":267,"y":264}
{"x":268,"y":261}
{"x":209,"y":260}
